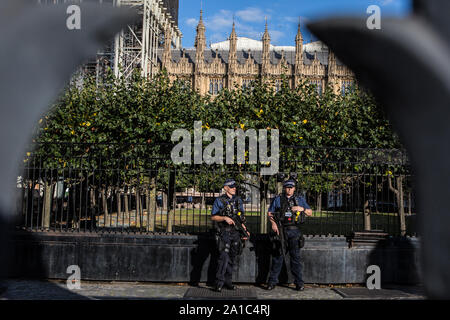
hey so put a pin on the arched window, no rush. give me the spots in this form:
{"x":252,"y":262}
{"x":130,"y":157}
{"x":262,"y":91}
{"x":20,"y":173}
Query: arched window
{"x":347,"y":86}
{"x":277,"y":85}
{"x":215,"y":85}
{"x":318,"y":84}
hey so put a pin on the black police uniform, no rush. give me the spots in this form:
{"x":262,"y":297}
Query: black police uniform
{"x":229,"y":240}
{"x":293,"y":237}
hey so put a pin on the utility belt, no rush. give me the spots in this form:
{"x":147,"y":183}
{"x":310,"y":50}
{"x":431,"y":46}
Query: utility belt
{"x":227,"y":228}
{"x":226,"y":247}
{"x":290,"y":227}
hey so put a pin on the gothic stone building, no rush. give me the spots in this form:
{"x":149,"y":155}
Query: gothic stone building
{"x":239,"y":61}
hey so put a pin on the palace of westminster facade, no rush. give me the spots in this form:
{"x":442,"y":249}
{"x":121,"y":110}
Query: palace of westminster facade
{"x":239,"y":61}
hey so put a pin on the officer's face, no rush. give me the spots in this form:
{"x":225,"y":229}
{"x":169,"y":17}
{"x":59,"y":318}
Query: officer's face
{"x":289,"y":191}
{"x":230,"y":190}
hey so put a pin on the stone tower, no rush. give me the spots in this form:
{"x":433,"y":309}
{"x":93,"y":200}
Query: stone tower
{"x":265,"y":52}
{"x":232,"y":60}
{"x":200,"y":46}
{"x":298,"y":56}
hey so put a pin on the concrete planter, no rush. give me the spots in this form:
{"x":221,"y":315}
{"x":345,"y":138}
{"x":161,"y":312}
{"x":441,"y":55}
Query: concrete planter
{"x":186,"y":258}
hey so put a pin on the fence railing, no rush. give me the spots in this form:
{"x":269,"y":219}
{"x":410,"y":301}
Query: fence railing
{"x":136,"y":188}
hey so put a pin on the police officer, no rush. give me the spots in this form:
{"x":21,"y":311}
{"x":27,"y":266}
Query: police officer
{"x":285,"y":206}
{"x":229,"y":243}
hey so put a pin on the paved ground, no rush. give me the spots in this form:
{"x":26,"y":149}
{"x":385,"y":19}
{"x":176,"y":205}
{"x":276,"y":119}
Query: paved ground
{"x":53,"y":289}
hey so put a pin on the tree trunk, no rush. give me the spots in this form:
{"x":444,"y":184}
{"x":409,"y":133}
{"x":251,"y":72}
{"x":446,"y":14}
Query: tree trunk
{"x":401,"y":207}
{"x":152,"y":207}
{"x":279,"y":187}
{"x":263,"y":205}
{"x":319,"y":202}
{"x":125,"y":203}
{"x":119,"y":204}
{"x":139,"y":210}
{"x":170,"y":202}
{"x":147,"y":203}
{"x":409,"y":204}
{"x":164,"y":200}
{"x":105,"y":204}
{"x":46,"y":206}
{"x":92,"y":203}
{"x":367,"y":225}
{"x":203,"y":206}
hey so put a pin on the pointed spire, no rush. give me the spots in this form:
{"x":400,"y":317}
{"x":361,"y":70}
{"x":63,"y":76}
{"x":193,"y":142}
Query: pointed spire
{"x":233,"y":30}
{"x":265,"y":50}
{"x":233,"y":46}
{"x":298,"y":54}
{"x":200,"y":22}
{"x":299,"y":36}
{"x":200,"y":39}
{"x":266,"y":35}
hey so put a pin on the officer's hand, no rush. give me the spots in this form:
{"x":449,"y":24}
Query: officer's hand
{"x":297,"y":209}
{"x":275,"y":228}
{"x":229,"y":220}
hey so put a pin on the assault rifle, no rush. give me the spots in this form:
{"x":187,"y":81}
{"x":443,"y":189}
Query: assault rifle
{"x":280,"y":239}
{"x":238,"y":223}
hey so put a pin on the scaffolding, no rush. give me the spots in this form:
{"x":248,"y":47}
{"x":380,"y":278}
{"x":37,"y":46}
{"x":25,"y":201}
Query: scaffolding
{"x":136,"y":46}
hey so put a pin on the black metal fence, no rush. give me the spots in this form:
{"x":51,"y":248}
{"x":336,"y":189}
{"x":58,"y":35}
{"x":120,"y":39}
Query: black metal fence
{"x":137,"y":188}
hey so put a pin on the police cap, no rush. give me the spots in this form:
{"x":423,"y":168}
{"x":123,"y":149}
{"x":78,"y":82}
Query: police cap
{"x":230,"y":183}
{"x":289,"y":183}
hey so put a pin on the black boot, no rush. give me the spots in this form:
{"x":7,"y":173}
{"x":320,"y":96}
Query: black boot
{"x":230,"y":286}
{"x":300,"y":287}
{"x":270,"y":286}
{"x":218,"y":287}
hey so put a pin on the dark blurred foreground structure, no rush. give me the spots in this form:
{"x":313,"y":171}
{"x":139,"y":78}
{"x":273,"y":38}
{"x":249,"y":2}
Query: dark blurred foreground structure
{"x":37,"y":39}
{"x":406,"y":65}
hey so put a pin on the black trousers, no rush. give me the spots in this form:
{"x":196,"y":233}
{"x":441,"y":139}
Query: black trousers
{"x":229,"y":248}
{"x":293,"y":235}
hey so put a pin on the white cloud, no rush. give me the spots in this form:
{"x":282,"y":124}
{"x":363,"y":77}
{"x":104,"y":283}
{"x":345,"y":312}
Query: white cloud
{"x":276,"y":35}
{"x":220,"y":21}
{"x":192,"y":22}
{"x":252,"y":14}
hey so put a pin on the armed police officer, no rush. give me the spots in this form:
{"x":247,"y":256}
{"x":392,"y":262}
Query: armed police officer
{"x":285,"y":214}
{"x":228,"y":214}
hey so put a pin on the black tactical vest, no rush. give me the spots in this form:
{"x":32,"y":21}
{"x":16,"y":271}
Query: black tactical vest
{"x":287,"y":217}
{"x":230,"y":208}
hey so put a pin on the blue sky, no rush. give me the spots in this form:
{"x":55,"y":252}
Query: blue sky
{"x":282,"y":16}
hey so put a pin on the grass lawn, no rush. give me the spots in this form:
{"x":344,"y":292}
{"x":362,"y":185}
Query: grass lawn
{"x":321,"y":223}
